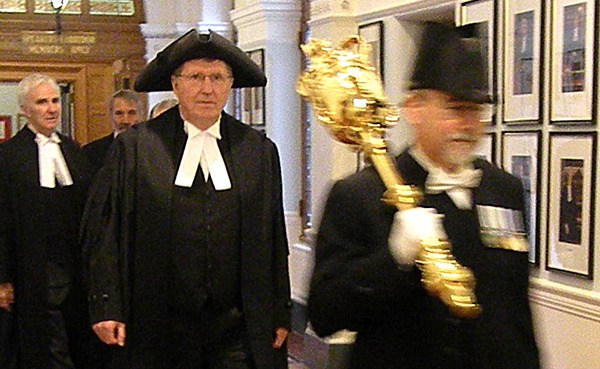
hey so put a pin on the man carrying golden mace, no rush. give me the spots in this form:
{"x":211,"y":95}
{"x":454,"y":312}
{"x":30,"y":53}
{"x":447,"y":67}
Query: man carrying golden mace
{"x":456,"y":218}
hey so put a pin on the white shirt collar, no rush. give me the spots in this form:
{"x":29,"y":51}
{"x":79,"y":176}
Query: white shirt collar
{"x":440,"y":180}
{"x":53,"y":136}
{"x":193,"y":131}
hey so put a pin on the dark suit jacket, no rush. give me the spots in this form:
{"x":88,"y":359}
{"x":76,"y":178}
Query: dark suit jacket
{"x":357,"y":285}
{"x":24,"y":244}
{"x":127,"y":234}
{"x":97,"y":150}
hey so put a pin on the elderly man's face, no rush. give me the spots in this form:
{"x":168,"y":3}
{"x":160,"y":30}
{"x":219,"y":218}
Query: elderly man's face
{"x":446,"y":130}
{"x":202,"y":87}
{"x":42,"y":108}
{"x":124,"y":114}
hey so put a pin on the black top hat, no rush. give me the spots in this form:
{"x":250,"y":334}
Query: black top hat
{"x":156,"y":76}
{"x":450,"y":60}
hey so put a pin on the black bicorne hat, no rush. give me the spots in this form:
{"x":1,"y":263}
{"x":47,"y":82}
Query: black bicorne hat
{"x":450,"y":60}
{"x":156,"y":76}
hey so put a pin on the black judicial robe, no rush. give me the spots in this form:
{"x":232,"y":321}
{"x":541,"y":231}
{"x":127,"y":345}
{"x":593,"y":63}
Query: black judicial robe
{"x":356,"y":284}
{"x":97,"y":150}
{"x":24,"y":249}
{"x":127,"y":227}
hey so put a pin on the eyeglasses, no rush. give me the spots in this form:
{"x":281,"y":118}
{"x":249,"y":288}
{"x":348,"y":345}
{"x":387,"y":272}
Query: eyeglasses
{"x":199,"y":78}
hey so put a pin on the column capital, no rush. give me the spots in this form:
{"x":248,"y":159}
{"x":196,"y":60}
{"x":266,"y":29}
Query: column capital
{"x":182,"y":28}
{"x":268,"y":20}
{"x":322,"y":10}
{"x":222,"y":28}
{"x":265,"y":8}
{"x":150,"y":31}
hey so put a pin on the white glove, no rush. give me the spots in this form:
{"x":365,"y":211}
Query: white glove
{"x":409,"y":228}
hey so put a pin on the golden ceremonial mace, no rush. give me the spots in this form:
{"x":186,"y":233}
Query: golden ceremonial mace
{"x":347,"y":96}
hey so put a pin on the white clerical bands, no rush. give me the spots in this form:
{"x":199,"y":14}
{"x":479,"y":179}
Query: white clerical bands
{"x":202,"y":149}
{"x":52,"y":164}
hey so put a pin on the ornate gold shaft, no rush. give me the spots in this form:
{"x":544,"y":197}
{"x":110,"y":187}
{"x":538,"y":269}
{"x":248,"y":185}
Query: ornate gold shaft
{"x":347,"y":97}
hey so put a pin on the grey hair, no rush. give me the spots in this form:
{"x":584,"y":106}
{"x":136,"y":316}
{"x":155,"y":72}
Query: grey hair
{"x":127,"y":95}
{"x":162,"y":106}
{"x":32,"y":81}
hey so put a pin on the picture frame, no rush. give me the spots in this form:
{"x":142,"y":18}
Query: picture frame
{"x":520,"y":157}
{"x":524,"y":22}
{"x":254,"y":98}
{"x":236,"y":109}
{"x":486,"y":149}
{"x":372,"y":33}
{"x":482,"y":14}
{"x":571,"y":192}
{"x":573,"y":63}
{"x":5,"y":127}
{"x":246,"y":110}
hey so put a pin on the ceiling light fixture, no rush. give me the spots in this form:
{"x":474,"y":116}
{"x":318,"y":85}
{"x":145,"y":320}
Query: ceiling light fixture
{"x":59,"y":5}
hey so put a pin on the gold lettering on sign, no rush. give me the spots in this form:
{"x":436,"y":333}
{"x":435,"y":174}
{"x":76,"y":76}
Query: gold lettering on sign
{"x":46,"y":49}
{"x":52,"y":43}
{"x":80,"y":49}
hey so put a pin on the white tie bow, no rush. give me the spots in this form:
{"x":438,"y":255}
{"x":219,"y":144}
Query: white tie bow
{"x":52,"y":164}
{"x":439,"y":181}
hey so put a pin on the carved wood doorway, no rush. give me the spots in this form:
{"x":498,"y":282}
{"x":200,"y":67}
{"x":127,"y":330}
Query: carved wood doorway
{"x":87,"y":88}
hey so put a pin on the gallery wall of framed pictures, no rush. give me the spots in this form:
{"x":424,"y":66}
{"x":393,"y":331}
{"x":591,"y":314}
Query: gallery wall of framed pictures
{"x":542,"y":59}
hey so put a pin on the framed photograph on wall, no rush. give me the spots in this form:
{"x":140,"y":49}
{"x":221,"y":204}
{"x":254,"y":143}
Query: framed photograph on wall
{"x":246,"y":105}
{"x":571,"y":203}
{"x":520,"y":153}
{"x":486,"y":149}
{"x":372,"y":33}
{"x":237,"y":103}
{"x":5,"y":127}
{"x":482,"y":14}
{"x":522,"y":61}
{"x":256,"y":95}
{"x":573,"y":61}
{"x":258,"y":106}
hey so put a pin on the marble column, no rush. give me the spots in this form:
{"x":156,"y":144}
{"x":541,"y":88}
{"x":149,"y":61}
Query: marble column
{"x":215,"y":16}
{"x":274,"y":25}
{"x":162,"y":27}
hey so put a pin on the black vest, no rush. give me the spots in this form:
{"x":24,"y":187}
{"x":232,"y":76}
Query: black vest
{"x":60,"y":230}
{"x":205,"y":252}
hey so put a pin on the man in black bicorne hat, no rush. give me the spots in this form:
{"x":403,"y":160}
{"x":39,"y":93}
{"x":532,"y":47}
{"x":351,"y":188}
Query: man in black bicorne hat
{"x":184,"y":228}
{"x":365,"y":278}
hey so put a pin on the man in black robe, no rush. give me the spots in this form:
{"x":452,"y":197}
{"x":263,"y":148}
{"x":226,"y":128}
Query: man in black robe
{"x":184,"y":228}
{"x":124,"y":110}
{"x":43,"y":184}
{"x":365,"y":278}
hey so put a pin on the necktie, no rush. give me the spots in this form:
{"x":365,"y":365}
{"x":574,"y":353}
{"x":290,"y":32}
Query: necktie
{"x":201,"y":149}
{"x":52,"y":164}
